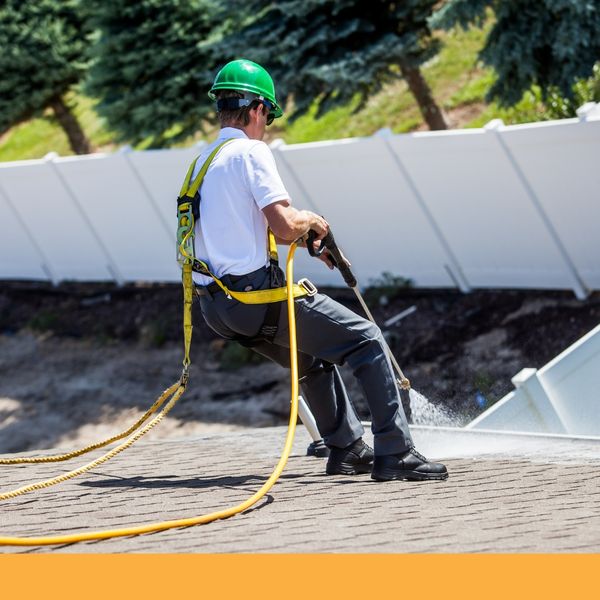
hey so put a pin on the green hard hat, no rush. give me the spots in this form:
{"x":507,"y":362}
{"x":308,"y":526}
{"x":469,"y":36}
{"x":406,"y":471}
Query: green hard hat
{"x":246,"y":76}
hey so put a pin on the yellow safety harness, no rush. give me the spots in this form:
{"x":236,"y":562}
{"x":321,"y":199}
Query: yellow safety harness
{"x":165,"y":402}
{"x":188,"y":213}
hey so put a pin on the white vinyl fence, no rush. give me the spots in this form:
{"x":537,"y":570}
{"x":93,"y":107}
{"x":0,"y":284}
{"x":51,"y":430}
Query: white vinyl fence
{"x":498,"y":207}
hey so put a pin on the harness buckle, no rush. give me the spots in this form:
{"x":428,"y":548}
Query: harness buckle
{"x":308,"y":286}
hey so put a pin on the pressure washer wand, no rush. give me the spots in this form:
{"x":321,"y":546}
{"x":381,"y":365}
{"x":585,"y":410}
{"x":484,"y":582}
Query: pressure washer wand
{"x":338,"y":260}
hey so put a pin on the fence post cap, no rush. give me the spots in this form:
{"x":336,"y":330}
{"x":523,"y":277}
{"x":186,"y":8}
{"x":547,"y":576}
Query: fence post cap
{"x":384,"y":132}
{"x":522,"y":376}
{"x":493,"y":125}
{"x":587,"y":110}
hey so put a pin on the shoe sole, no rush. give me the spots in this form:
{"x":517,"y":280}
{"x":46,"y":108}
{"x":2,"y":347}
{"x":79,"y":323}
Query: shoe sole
{"x":407,"y":476}
{"x":348,"y":469}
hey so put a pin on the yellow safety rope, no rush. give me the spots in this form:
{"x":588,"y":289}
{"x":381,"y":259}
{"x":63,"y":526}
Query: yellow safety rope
{"x":188,"y":298}
{"x":174,"y":392}
{"x":61,"y":457}
{"x":134,"y":438}
{"x":181,"y":385}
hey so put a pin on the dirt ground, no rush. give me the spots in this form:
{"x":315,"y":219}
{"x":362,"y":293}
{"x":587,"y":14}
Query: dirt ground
{"x":79,"y":362}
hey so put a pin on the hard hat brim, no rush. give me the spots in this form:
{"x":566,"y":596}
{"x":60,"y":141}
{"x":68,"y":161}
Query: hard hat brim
{"x":278,"y":112}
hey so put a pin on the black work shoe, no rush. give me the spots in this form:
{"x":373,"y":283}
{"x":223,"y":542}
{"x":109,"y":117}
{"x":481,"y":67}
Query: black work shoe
{"x":410,"y":465}
{"x":351,"y":460}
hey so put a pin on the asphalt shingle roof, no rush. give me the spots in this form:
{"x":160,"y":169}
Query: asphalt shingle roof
{"x":505,"y":493}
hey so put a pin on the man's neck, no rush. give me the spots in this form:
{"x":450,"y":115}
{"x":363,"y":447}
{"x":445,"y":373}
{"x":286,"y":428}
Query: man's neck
{"x":248,"y":131}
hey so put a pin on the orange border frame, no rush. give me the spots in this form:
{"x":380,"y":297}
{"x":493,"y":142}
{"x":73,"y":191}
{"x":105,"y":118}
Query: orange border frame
{"x":306,"y":576}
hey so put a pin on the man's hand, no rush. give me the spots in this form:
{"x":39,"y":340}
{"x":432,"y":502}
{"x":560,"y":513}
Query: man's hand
{"x":327,"y":258}
{"x":317,"y":223}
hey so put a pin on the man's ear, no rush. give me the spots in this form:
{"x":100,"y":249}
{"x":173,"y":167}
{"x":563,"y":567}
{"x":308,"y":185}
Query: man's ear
{"x":261,"y":109}
{"x":255,"y":111}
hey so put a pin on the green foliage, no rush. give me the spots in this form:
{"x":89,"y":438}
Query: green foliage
{"x":533,"y":107}
{"x":585,"y":90}
{"x":528,"y":110}
{"x":451,"y":70}
{"x":42,"y":55}
{"x":151,"y":68}
{"x":332,"y":50}
{"x":548,"y":43}
{"x":385,"y":288}
{"x":457,"y":80}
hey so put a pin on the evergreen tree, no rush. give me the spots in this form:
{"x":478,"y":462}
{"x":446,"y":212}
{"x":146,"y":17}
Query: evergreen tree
{"x":151,"y":72}
{"x":334,"y":49}
{"x":551,"y":43}
{"x":42,"y":56}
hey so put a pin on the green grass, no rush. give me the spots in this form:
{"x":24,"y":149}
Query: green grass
{"x":33,"y":139}
{"x":37,"y":137}
{"x":530,"y":109}
{"x":473,"y":91}
{"x":458,"y":82}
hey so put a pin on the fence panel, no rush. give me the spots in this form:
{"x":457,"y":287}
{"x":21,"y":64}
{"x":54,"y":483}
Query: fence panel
{"x":162,"y":173}
{"x":561,"y":161}
{"x":370,"y":207}
{"x":482,"y":209}
{"x":56,"y":223}
{"x":123,"y":217}
{"x":19,"y":258}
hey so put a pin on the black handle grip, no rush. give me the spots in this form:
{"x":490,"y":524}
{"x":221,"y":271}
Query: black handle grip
{"x":310,"y":244}
{"x":328,"y":242}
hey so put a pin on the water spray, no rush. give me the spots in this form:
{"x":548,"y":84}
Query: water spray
{"x":338,"y":260}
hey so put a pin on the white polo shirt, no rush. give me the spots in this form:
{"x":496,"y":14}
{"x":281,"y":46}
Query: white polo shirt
{"x":242,"y":179}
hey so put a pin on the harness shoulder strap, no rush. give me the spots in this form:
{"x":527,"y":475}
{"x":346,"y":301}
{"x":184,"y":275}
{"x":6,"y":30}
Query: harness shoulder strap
{"x":191,"y":190}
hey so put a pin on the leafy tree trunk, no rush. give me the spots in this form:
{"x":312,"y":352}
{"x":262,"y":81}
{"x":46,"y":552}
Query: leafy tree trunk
{"x":434,"y":116}
{"x":67,"y":120}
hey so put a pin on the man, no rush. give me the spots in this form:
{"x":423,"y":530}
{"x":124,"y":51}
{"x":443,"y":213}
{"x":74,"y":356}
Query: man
{"x":241,"y":196}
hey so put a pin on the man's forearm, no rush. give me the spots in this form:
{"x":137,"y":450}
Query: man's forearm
{"x":297,"y":224}
{"x":301,"y":243}
{"x":289,"y":224}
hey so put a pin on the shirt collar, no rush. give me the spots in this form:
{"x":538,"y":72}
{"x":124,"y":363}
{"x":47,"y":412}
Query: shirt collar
{"x":232,"y":132}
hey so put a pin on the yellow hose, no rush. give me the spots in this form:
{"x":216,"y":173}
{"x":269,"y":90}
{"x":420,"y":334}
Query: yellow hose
{"x":112,"y":533}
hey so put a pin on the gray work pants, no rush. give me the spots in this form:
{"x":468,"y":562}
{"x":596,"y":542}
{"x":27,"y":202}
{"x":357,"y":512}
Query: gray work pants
{"x":328,"y":335}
